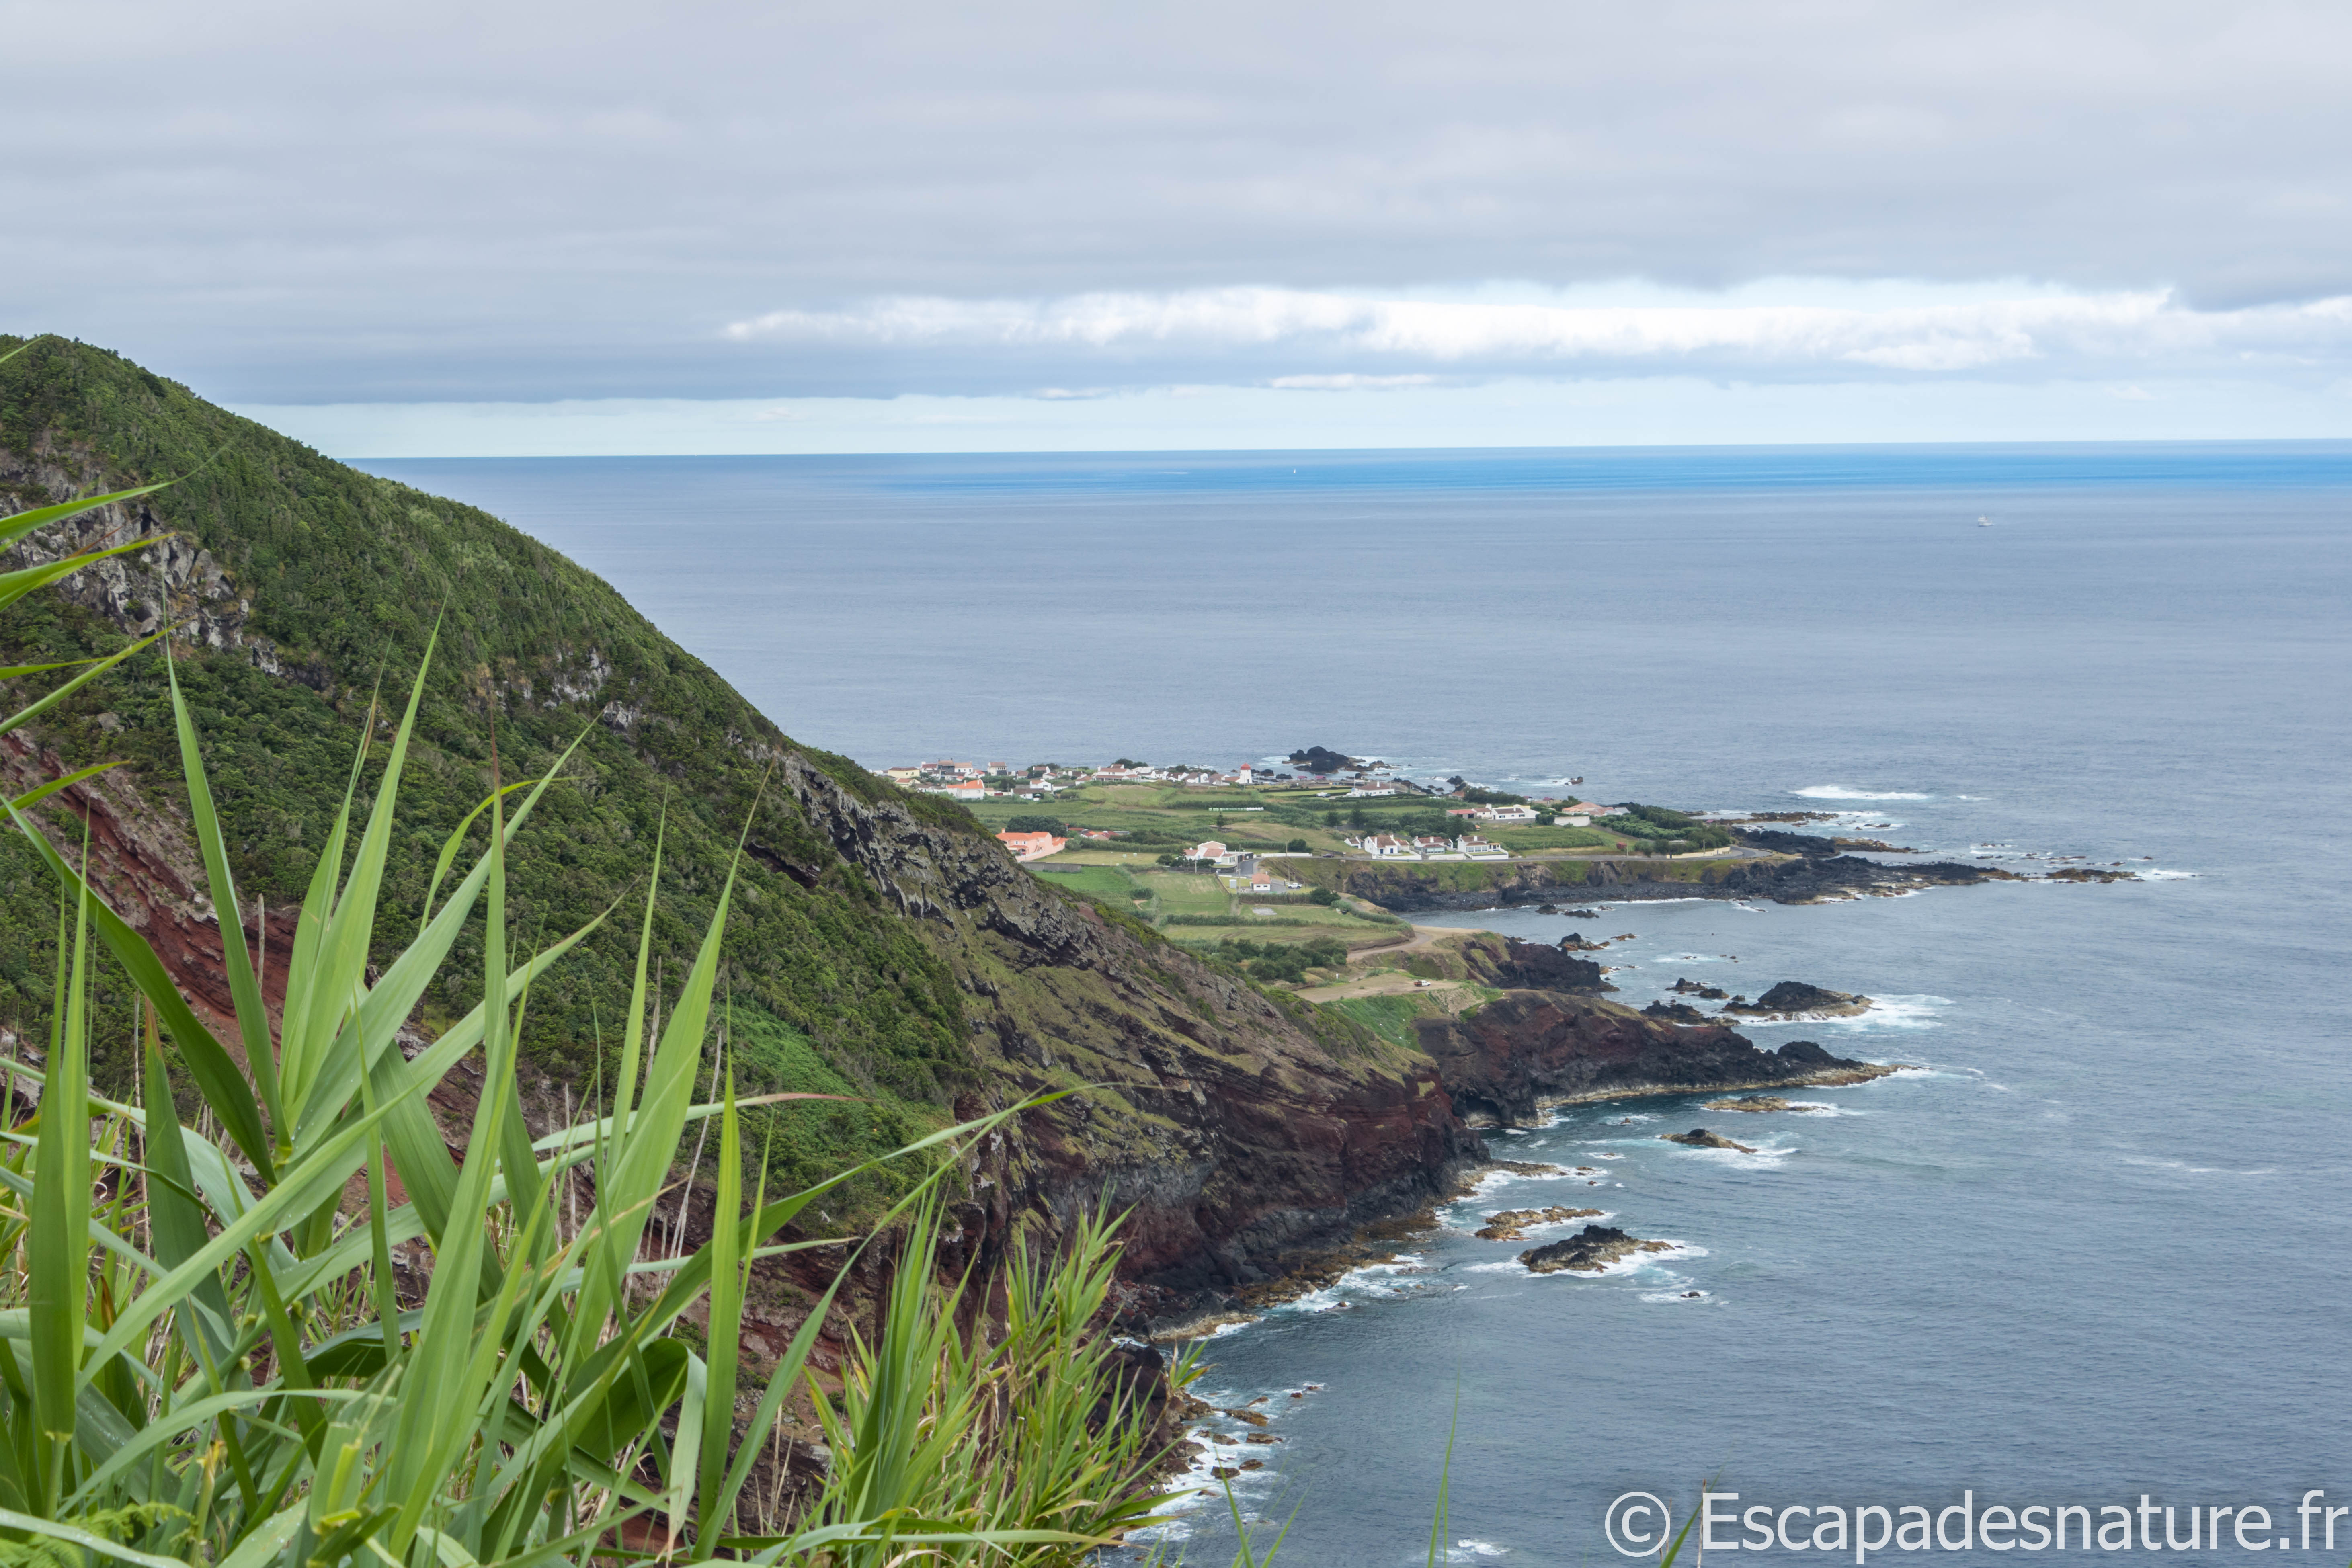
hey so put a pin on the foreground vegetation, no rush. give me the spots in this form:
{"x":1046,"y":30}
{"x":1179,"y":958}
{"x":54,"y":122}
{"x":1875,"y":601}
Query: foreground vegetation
{"x":329,"y":579}
{"x":222,"y":1339}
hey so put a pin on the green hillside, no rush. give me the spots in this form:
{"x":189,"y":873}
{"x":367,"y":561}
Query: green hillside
{"x":330,"y":580}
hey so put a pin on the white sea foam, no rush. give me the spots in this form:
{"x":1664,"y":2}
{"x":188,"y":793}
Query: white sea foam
{"x":1367,"y":1282}
{"x":2186,"y":1169}
{"x":1491,"y":1181}
{"x":1767,"y":1157}
{"x":1469,"y":1550}
{"x":1842,"y":791}
{"x":2169,"y":876}
{"x":1914,"y":1012}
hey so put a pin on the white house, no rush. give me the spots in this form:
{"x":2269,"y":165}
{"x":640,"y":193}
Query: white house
{"x":1389,"y":844}
{"x":1509,"y":814}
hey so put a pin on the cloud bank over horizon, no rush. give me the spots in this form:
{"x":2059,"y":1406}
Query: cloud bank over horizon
{"x":1329,"y":216}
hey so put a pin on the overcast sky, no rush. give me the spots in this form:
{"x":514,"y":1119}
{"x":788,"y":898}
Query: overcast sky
{"x":440,"y":229}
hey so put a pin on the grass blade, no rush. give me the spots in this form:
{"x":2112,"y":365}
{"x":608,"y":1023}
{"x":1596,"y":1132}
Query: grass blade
{"x":244,"y":988}
{"x":216,"y":1075}
{"x":57,"y":1244}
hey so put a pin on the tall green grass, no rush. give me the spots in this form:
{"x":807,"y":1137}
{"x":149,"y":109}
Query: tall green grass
{"x":207,"y":1354}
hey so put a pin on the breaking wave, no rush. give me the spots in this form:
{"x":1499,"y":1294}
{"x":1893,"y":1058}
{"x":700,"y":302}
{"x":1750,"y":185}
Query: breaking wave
{"x":1840,"y":792}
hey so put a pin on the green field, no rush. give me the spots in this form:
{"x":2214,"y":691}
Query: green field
{"x":1391,"y":1017}
{"x":1196,"y":910}
{"x":1528,"y":840}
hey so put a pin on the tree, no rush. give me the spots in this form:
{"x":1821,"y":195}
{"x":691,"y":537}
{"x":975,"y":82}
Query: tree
{"x":1323,"y":895}
{"x":1051,"y":824}
{"x":1355,"y":818}
{"x":1298,"y":847}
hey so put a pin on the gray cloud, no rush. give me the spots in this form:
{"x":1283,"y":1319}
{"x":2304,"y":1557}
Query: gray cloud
{"x":285,"y":203}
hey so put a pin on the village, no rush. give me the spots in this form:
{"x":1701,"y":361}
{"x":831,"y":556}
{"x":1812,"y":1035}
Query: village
{"x":1330,"y":778}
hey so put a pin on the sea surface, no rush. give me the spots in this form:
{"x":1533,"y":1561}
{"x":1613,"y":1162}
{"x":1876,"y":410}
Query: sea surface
{"x":2097,"y":1247}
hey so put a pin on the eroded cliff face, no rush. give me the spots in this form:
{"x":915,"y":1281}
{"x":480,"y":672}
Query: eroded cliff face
{"x":1530,"y":1049}
{"x":1237,"y":1126}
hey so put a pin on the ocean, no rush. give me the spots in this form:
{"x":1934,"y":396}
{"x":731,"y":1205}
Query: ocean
{"x":2095,"y":1248}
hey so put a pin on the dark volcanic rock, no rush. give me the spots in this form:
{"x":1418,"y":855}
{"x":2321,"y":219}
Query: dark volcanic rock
{"x":1528,"y":1048}
{"x":1675,"y":1013}
{"x":1508,"y":1225}
{"x":1796,"y":996}
{"x":1700,"y":1138}
{"x":1403,"y":888}
{"x":1532,"y":966}
{"x":1588,"y":1251}
{"x":1323,"y":760}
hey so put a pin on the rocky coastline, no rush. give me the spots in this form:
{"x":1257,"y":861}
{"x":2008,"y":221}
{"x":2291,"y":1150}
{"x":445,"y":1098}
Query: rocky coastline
{"x":1537,"y":1047}
{"x":1408,"y":890}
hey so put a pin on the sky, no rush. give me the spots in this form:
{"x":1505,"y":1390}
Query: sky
{"x":487,"y":228}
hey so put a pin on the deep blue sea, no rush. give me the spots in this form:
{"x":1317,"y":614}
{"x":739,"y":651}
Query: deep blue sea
{"x":2098,"y":1247}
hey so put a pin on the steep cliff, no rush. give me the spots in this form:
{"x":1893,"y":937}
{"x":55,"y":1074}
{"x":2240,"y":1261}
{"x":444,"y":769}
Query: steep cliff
{"x":880,"y":945}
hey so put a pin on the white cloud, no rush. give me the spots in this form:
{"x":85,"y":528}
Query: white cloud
{"x":1350,"y":382}
{"x":2058,"y":333}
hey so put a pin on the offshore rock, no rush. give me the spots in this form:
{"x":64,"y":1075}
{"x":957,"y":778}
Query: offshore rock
{"x":1792,"y":999}
{"x":1534,"y":967}
{"x":1588,"y":1251}
{"x":1700,"y":1138}
{"x":1509,"y":1224}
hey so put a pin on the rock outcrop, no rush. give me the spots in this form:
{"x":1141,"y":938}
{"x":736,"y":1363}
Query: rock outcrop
{"x":1405,"y":889}
{"x":1502,"y":1062}
{"x":1794,"y":998}
{"x":1510,"y":1224}
{"x":1700,"y":1138}
{"x":1533,"y":966}
{"x":1588,"y":1251}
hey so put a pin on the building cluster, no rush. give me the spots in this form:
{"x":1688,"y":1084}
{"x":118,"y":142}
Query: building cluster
{"x":1032,"y":846}
{"x":978,"y":781}
{"x":1428,"y":847}
{"x":1042,"y":781}
{"x":1241,"y":871}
